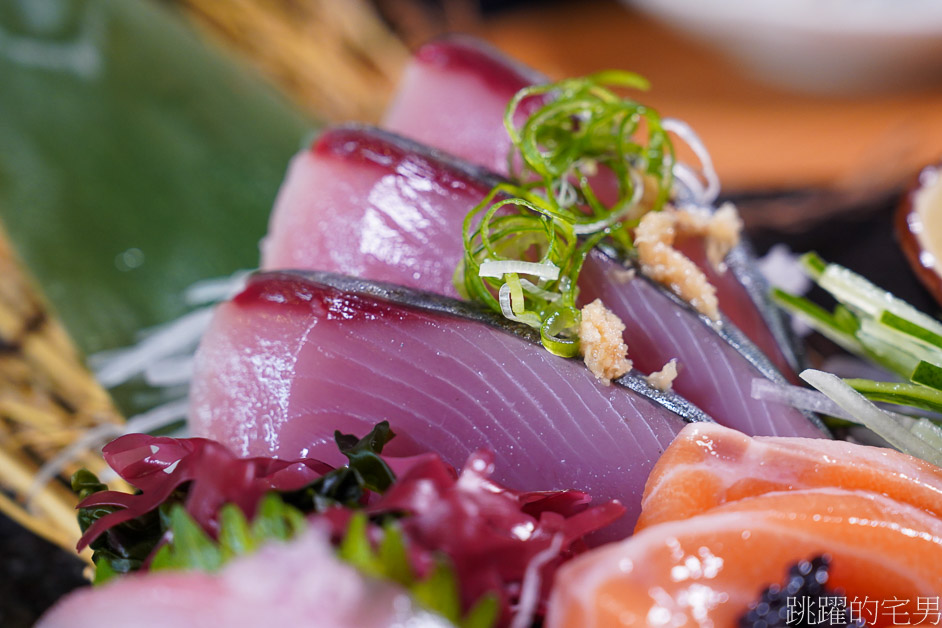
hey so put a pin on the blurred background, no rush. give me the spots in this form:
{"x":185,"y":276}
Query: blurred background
{"x":142,"y":143}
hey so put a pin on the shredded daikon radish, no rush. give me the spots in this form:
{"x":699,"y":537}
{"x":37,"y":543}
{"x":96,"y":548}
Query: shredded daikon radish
{"x":530,"y":587}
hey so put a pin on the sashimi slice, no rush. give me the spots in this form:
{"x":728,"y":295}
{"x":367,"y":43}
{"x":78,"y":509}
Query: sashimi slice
{"x":710,"y":465}
{"x":367,"y":203}
{"x":453,"y":97}
{"x":295,"y":357}
{"x":296,"y":584}
{"x":706,"y":570}
{"x":717,"y":363}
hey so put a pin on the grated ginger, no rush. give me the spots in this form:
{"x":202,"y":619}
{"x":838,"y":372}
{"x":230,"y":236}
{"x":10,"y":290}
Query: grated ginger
{"x":601,"y":342}
{"x":654,"y":240}
{"x":663,"y":379}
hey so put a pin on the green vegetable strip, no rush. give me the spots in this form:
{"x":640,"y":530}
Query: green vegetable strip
{"x":914,"y":330}
{"x":581,"y":126}
{"x":927,"y":374}
{"x":874,"y":324}
{"x":899,"y":393}
{"x":817,"y":318}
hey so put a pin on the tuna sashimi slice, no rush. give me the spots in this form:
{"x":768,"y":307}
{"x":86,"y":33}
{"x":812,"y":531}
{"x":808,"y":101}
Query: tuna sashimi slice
{"x":367,"y":203}
{"x":706,"y":570}
{"x":296,"y":584}
{"x":295,"y":357}
{"x":710,"y":465}
{"x":453,"y":97}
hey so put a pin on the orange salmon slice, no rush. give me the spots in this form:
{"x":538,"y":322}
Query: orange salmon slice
{"x":706,"y":570}
{"x":709,"y":465}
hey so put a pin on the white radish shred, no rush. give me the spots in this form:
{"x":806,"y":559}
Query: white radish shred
{"x":683,"y":131}
{"x":806,"y":399}
{"x":116,"y":367}
{"x":499,"y":268}
{"x":530,"y":587}
{"x":216,"y":289}
{"x":928,"y":431}
{"x":879,"y":421}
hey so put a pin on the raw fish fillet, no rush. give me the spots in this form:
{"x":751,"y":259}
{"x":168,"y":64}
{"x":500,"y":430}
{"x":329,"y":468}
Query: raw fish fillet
{"x":367,"y":203}
{"x":725,"y":516}
{"x":709,"y":465}
{"x":453,"y":96}
{"x":295,"y":584}
{"x":295,"y":357}
{"x":706,"y":570}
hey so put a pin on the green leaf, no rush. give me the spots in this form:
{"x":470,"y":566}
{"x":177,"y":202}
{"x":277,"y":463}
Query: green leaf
{"x":235,"y":535}
{"x":136,"y":159}
{"x":85,"y":483}
{"x":363,"y":455}
{"x":104,"y":573}
{"x":439,"y":592}
{"x":393,"y":556}
{"x":189,"y":548}
{"x":483,"y":614}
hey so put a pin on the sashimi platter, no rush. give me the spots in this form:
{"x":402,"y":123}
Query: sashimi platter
{"x":509,"y":362}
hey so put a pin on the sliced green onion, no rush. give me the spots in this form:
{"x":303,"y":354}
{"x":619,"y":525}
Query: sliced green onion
{"x":545,"y":270}
{"x":545,"y":223}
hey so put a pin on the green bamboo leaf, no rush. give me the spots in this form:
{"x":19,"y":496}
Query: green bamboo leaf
{"x":134,"y":159}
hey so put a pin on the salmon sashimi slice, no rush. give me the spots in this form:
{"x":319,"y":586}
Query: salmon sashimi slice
{"x":453,"y":97}
{"x":709,"y":465}
{"x":707,"y":570}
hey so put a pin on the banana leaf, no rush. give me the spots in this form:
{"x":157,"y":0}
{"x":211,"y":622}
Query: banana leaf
{"x":135,"y":159}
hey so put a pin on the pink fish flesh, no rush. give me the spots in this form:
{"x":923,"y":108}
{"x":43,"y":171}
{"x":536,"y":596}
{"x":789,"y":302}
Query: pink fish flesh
{"x":295,"y":584}
{"x":295,"y":357}
{"x":453,"y":97}
{"x":367,"y":203}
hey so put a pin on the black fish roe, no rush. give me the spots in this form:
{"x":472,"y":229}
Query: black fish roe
{"x":804,"y":600}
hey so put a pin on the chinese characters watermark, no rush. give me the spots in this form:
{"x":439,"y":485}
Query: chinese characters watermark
{"x":841,"y":611}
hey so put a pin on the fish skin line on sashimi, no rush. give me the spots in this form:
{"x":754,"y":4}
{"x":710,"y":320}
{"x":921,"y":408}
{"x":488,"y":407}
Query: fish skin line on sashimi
{"x":368,"y":203}
{"x":298,"y":355}
{"x":453,"y":95}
